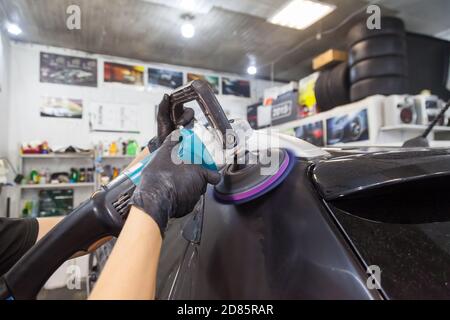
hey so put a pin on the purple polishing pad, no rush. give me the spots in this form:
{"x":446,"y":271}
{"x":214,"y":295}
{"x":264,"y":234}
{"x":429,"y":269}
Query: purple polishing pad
{"x":247,"y":184}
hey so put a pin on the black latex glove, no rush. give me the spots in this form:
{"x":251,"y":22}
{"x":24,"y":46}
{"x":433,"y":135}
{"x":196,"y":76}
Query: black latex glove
{"x":168,"y":190}
{"x":165,"y":123}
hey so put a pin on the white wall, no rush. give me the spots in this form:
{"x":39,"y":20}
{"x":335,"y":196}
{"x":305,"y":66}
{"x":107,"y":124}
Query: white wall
{"x":26,"y":93}
{"x":4,"y":90}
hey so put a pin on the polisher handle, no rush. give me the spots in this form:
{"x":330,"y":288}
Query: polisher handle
{"x":200,"y":91}
{"x":100,"y":216}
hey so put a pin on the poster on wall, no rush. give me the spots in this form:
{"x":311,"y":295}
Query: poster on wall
{"x":61,"y":69}
{"x":348,"y":128}
{"x":164,"y":78}
{"x":212,"y":80}
{"x":124,"y":74}
{"x":236,"y":87}
{"x":112,"y":117}
{"x":61,"y":108}
{"x":312,"y":133}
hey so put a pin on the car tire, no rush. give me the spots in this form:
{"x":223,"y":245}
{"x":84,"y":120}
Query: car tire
{"x":338,"y":85}
{"x":321,"y":91}
{"x":389,"y":26}
{"x":390,"y":45}
{"x":379,"y":67}
{"x":381,"y":85}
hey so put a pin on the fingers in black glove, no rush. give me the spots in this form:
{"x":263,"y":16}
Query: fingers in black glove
{"x":165,"y":123}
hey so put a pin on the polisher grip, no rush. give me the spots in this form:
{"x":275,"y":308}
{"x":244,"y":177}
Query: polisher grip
{"x":200,"y":91}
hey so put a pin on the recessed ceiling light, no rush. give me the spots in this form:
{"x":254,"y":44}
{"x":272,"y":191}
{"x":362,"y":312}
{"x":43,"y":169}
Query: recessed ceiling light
{"x":300,"y":14}
{"x":252,"y":70}
{"x":13,"y":29}
{"x":187,"y":30}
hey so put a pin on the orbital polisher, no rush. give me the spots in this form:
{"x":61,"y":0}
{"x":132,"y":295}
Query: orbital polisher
{"x":219,"y":145}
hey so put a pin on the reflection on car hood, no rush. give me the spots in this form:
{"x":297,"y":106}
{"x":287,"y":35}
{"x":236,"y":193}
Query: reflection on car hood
{"x":356,"y":170}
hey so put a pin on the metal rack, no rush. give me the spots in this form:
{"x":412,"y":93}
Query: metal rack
{"x":48,"y":160}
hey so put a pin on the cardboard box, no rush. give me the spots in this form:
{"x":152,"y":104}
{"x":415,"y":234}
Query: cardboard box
{"x":329,"y":58}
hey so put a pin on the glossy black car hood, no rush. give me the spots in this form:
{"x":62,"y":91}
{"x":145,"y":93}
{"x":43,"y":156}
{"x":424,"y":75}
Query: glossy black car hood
{"x":358,"y":172}
{"x":393,"y":206}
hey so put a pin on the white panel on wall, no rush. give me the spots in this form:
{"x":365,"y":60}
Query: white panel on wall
{"x":111,"y":117}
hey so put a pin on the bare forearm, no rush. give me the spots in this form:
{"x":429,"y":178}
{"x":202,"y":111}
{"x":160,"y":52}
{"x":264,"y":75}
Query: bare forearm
{"x":46,"y":224}
{"x":130,"y":272}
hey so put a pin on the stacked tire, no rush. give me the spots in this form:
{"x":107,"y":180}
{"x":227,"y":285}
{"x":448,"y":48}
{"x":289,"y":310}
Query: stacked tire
{"x":377,"y":59}
{"x":332,"y":87}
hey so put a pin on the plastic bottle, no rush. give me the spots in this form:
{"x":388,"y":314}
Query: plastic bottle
{"x":82,"y":177}
{"x":74,"y":175}
{"x":113,"y":149}
{"x":34,"y":177}
{"x":132,"y":148}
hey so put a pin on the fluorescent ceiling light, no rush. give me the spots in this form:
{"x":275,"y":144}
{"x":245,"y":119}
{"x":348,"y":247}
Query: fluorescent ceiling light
{"x":300,"y":14}
{"x":13,"y":29}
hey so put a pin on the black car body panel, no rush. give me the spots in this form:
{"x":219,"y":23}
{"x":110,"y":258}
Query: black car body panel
{"x":281,"y":246}
{"x":355,"y":173}
{"x":314,"y":236}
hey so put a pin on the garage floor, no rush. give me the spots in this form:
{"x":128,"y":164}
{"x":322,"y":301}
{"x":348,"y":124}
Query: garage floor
{"x":63,"y":294}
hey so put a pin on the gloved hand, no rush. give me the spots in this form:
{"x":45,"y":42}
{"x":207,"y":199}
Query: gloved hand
{"x":165,"y":123}
{"x":168,"y":190}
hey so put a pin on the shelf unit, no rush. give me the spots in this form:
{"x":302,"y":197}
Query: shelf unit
{"x":58,"y":156}
{"x":413,"y":127}
{"x":118,"y":157}
{"x":382,"y":130}
{"x":57,"y":185}
{"x":78,"y":160}
{"x":56,"y":162}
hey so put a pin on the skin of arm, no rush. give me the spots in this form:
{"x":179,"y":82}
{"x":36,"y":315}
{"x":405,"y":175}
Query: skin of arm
{"x":46,"y":224}
{"x":135,"y":257}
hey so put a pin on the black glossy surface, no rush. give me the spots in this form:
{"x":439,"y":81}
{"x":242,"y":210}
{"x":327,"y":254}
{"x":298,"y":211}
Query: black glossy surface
{"x":281,"y":246}
{"x":396,"y":215}
{"x":352,"y":174}
{"x":414,"y":258}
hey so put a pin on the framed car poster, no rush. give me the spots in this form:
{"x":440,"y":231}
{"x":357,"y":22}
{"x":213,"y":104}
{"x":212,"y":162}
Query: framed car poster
{"x":351,"y":127}
{"x":312,"y":133}
{"x":61,"y":108}
{"x":164,"y":78}
{"x":124,"y":74}
{"x":236,"y":87}
{"x":212,"y":80}
{"x":68,"y":70}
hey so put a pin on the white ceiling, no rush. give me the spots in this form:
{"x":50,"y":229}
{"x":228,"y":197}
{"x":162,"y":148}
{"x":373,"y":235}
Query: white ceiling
{"x":260,"y":8}
{"x":430,"y":17}
{"x":230,"y":34}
